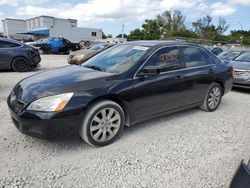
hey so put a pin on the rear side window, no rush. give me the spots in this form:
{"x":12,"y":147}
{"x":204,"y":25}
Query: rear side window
{"x":165,"y":57}
{"x":6,"y":44}
{"x":194,"y":57}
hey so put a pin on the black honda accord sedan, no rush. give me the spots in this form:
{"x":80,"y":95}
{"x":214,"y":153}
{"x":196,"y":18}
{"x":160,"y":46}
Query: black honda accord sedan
{"x":123,"y":85}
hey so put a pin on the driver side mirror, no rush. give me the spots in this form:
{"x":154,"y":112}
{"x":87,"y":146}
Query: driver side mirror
{"x":149,"y":71}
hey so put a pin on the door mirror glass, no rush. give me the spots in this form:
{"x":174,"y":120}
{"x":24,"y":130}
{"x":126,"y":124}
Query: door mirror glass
{"x":149,"y":71}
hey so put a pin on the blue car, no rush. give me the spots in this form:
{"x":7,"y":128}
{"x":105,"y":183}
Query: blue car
{"x":55,"y":45}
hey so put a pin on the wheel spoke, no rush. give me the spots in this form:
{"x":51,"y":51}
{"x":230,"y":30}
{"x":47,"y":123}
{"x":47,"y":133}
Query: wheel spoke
{"x":103,"y":112}
{"x":111,"y":112}
{"x":97,"y":119}
{"x":96,"y":135}
{"x":116,"y":117}
{"x":94,"y":128}
{"x":104,"y":136}
{"x":111,"y":134}
{"x":115,"y":125}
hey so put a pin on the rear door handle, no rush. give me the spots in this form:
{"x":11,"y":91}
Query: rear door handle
{"x":179,"y":77}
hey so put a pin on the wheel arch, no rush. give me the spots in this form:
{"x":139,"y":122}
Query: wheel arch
{"x":116,"y":99}
{"x":222,"y":86}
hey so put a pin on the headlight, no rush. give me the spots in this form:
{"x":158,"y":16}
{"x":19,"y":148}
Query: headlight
{"x":54,"y":103}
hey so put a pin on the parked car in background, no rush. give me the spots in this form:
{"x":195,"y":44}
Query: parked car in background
{"x":217,"y":50}
{"x":122,"y":85}
{"x":55,"y":45}
{"x":241,"y":178}
{"x":17,"y":56}
{"x":241,"y":66}
{"x":80,"y":56}
{"x":230,"y":55}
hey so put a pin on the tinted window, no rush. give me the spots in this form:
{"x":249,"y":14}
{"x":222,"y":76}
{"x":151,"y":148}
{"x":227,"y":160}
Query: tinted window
{"x":6,"y":44}
{"x":165,"y":57}
{"x":193,"y":57}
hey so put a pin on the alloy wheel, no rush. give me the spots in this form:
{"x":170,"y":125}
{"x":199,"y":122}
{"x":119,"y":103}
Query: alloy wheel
{"x":105,"y":124}
{"x":214,"y":98}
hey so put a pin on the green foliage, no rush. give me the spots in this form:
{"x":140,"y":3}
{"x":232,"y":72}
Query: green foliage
{"x":136,"y":34}
{"x":240,"y":36}
{"x":1,"y":34}
{"x":120,"y":36}
{"x":207,"y":30}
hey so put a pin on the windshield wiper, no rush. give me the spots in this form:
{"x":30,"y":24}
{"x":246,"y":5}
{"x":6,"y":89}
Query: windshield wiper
{"x":94,"y":67}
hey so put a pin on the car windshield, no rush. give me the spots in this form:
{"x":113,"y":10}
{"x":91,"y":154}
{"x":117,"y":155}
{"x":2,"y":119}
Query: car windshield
{"x":244,"y":57}
{"x":228,"y":55}
{"x":117,"y":59}
{"x":97,"y":47}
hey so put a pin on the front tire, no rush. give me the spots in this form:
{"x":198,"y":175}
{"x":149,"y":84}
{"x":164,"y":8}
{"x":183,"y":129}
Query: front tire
{"x":103,"y":123}
{"x":213,"y":98}
{"x":20,"y":64}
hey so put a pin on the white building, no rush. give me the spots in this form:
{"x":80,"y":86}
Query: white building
{"x":112,"y":40}
{"x":46,"y":26}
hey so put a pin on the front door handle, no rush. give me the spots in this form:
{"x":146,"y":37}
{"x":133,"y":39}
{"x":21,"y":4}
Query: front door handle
{"x":211,"y":71}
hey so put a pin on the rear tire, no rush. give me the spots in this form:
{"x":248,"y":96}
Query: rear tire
{"x":102,"y":123}
{"x":20,"y":64}
{"x":213,"y":98}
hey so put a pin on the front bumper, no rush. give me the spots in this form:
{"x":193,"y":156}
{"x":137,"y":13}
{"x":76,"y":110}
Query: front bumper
{"x":45,"y":124}
{"x":242,"y":79}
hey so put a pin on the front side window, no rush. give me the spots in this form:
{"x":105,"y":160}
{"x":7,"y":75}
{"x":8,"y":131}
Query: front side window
{"x":194,"y":57}
{"x":244,"y":57}
{"x":168,"y":58}
{"x":93,"y":34}
{"x":117,"y":59}
{"x":6,"y":44}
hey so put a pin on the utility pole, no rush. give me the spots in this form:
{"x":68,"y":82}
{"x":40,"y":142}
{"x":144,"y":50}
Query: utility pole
{"x":122,"y":31}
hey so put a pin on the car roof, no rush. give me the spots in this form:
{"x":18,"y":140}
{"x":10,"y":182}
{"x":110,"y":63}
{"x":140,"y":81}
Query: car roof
{"x":154,"y":43}
{"x":11,"y":40}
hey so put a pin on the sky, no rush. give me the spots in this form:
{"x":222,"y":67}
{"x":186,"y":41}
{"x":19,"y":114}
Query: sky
{"x":110,"y":15}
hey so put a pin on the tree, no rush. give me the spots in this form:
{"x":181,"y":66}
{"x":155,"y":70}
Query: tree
{"x":152,"y":29}
{"x":207,"y":30}
{"x":103,"y":35}
{"x":120,"y":36}
{"x":136,"y":34}
{"x":1,"y":34}
{"x":173,"y":22}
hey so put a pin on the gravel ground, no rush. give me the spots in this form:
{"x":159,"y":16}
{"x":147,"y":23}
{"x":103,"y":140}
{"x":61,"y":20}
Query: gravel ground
{"x":187,"y":149}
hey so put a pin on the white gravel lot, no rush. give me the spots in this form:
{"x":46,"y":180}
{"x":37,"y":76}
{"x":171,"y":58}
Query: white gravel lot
{"x":187,"y":149}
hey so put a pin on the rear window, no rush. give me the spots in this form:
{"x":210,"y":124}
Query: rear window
{"x":6,"y":44}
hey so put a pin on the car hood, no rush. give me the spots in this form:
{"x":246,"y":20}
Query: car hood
{"x":70,"y":78}
{"x":240,"y":65}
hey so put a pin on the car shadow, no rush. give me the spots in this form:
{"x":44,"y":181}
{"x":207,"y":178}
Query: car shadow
{"x":74,"y":142}
{"x":241,"y":90}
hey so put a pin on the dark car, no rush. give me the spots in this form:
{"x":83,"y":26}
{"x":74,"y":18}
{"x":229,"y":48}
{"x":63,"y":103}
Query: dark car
{"x":17,"y":56}
{"x":55,"y":45}
{"x":80,"y":56}
{"x":241,"y":178}
{"x":241,"y":66}
{"x":123,"y":85}
{"x":230,"y":55}
{"x":217,"y":50}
